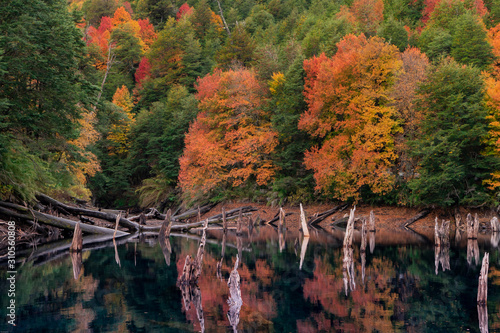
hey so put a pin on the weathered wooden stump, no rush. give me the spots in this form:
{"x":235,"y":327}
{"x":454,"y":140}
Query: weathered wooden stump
{"x":442,"y":233}
{"x":192,"y":267}
{"x":482,"y":289}
{"x":303,"y":222}
{"x":495,"y":225}
{"x":472,"y":226}
{"x":77,"y":243}
{"x":371,"y":224}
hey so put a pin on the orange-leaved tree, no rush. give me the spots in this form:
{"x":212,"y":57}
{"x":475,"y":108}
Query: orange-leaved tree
{"x":231,"y":141}
{"x":349,"y":110}
{"x":119,"y":132}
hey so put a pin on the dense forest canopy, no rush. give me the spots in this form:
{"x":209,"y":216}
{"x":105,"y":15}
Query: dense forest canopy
{"x":151,"y":103}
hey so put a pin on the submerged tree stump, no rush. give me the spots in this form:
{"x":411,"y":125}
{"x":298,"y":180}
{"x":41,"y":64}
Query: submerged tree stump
{"x":192,"y":266}
{"x":482,"y":289}
{"x":77,"y":243}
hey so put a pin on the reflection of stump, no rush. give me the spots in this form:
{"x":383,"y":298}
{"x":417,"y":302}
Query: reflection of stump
{"x":166,"y":249}
{"x":482,"y":289}
{"x":472,"y":251}
{"x":348,"y":270}
{"x":442,"y":256}
{"x":77,"y":243}
{"x":191,"y":294}
{"x":364,"y":232}
{"x":234,"y":300}
{"x":76,"y":260}
{"x":482,"y":314}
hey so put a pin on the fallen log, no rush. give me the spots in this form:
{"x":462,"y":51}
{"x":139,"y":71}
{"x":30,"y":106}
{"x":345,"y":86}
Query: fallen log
{"x":16,"y":211}
{"x":417,"y":217}
{"x":111,"y":217}
{"x":321,"y":216}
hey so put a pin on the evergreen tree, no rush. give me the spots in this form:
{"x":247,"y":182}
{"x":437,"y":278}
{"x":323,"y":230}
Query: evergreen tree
{"x":470,"y":45}
{"x":42,"y":85}
{"x":452,"y":168}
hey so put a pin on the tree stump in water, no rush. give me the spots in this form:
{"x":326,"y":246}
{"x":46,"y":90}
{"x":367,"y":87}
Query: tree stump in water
{"x":495,"y":225}
{"x":77,"y":243}
{"x":442,"y":233}
{"x":305,"y":230}
{"x":192,"y":267}
{"x":482,"y":289}
{"x":472,"y":226}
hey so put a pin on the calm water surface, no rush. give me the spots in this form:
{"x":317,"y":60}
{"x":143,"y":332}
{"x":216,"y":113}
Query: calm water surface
{"x":287,"y":285}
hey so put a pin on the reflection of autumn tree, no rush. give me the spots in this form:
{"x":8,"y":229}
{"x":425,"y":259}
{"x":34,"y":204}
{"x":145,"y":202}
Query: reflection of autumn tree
{"x":259,"y":307}
{"x":370,"y":307}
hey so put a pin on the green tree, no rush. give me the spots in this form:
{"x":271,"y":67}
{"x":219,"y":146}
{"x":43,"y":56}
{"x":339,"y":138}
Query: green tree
{"x":470,"y":45}
{"x":292,"y":181}
{"x":394,"y":33}
{"x":43,"y":87}
{"x":452,"y":168}
{"x":239,"y":48}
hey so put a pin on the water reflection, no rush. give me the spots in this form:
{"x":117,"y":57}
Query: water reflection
{"x":472,"y":251}
{"x":395,"y":290}
{"x":234,"y":300}
{"x":76,"y":261}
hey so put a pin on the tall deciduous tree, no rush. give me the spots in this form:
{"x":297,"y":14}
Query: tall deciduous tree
{"x":231,"y":140}
{"x":348,"y":100}
{"x":452,"y":167}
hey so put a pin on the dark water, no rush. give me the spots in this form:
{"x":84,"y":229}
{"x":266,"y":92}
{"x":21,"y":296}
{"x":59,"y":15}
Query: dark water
{"x":397,"y":290}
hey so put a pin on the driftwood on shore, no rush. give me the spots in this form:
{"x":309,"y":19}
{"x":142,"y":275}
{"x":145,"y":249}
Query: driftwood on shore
{"x":11,"y":210}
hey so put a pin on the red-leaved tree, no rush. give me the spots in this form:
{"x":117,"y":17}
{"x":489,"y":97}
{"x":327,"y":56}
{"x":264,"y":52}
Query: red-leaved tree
{"x":349,"y":111}
{"x":231,"y":140}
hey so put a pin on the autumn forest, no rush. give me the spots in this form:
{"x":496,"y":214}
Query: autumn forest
{"x":162,"y":102}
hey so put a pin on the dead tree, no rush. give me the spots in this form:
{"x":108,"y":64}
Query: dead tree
{"x":371,"y":224}
{"x":482,"y":289}
{"x":472,"y":226}
{"x":77,"y":244}
{"x":495,"y":225}
{"x":281,"y":230}
{"x":442,"y":234}
{"x":348,"y":262}
{"x":305,"y":230}
{"x":192,"y":267}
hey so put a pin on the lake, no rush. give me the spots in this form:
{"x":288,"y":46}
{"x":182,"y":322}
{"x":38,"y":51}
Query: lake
{"x":287,"y":283}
